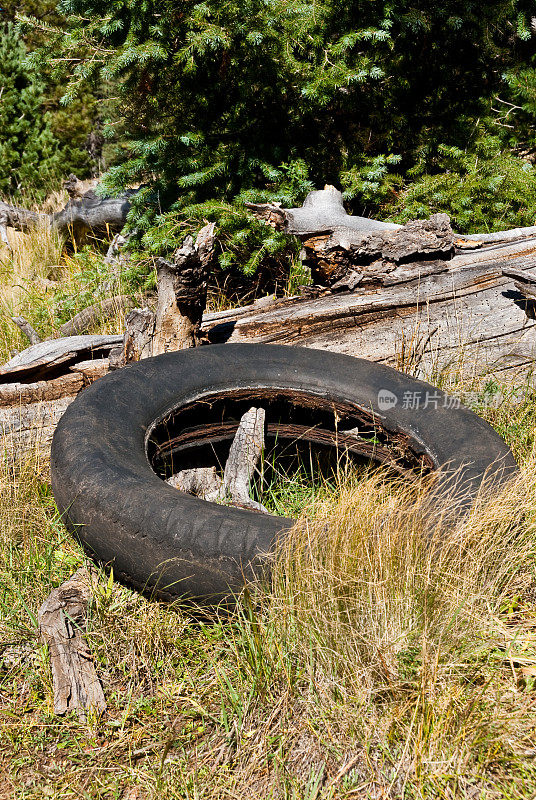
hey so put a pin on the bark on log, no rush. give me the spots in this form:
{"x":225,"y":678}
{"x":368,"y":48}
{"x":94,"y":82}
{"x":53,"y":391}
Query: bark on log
{"x":343,"y":250}
{"x":459,"y":314}
{"x":62,"y":624}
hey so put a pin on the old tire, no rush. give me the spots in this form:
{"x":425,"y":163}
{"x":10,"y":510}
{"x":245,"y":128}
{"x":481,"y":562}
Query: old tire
{"x":170,"y":544}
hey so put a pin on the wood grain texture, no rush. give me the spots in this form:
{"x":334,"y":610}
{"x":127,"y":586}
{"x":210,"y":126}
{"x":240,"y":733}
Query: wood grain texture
{"x":62,"y":624}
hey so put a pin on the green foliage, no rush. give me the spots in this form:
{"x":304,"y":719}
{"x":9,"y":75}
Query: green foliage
{"x":28,"y":150}
{"x":482,"y":190}
{"x":214,"y":97}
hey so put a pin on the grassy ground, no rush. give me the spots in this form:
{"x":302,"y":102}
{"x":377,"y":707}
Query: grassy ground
{"x":373,"y":666}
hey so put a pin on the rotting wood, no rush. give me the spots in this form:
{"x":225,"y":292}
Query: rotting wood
{"x":468,"y":312}
{"x":344,"y":250}
{"x":182,"y":293}
{"x":62,"y":624}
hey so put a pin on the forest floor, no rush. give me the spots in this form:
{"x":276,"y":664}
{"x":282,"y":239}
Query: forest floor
{"x":373,"y":666}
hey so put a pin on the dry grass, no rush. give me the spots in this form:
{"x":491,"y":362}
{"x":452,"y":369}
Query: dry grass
{"x":385,"y":660}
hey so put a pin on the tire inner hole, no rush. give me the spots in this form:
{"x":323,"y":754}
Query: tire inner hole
{"x":303,"y":432}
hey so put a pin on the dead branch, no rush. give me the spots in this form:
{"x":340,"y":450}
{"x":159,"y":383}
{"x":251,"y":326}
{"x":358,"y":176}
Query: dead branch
{"x":27,"y":330}
{"x":83,"y":215}
{"x":98,"y":312}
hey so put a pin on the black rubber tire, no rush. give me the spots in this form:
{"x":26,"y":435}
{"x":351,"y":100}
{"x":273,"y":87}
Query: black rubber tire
{"x":171,"y":544}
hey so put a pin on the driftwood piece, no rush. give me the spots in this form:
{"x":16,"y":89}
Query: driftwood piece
{"x":81,"y":216}
{"x":182,"y":293}
{"x":62,"y":624}
{"x":244,"y":456}
{"x":40,"y":359}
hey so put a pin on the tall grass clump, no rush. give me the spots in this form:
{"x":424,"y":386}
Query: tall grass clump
{"x":410,"y":633}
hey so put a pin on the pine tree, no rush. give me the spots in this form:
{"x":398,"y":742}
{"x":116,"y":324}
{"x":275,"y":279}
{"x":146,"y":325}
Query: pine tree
{"x":226,"y":100}
{"x":28,"y":150}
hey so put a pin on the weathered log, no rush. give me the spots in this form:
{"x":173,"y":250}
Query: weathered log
{"x":81,"y":374}
{"x":342,"y":250}
{"x":39,"y":361}
{"x":182,"y":293}
{"x":62,"y":624}
{"x":80,"y":217}
{"x":461,"y":314}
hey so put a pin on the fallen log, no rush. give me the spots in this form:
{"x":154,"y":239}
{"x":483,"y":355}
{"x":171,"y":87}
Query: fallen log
{"x":84,"y":214}
{"x":40,"y":360}
{"x":346,"y":250}
{"x":463,"y":314}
